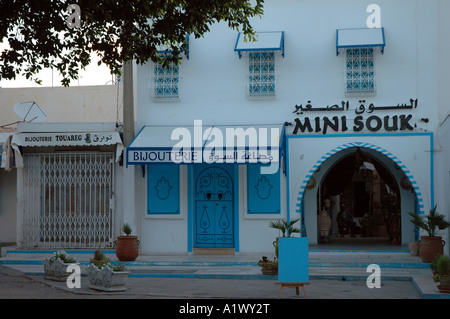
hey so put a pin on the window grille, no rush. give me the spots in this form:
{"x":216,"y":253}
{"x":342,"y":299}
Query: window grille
{"x":166,"y":81}
{"x":68,"y":200}
{"x":360,"y":71}
{"x":261,"y":74}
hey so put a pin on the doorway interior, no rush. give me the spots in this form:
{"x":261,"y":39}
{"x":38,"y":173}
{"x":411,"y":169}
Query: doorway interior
{"x":362,"y":198}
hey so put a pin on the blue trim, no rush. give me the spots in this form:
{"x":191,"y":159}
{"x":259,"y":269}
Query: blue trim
{"x":190,"y":209}
{"x":51,"y":251}
{"x":432,"y":169}
{"x":288,"y":192}
{"x":236,"y":207}
{"x":337,"y":41}
{"x":357,"y":135}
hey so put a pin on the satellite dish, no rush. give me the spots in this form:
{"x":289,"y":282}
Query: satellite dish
{"x":30,"y":112}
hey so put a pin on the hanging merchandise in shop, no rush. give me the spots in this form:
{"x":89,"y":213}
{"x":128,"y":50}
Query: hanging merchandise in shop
{"x":372,"y":123}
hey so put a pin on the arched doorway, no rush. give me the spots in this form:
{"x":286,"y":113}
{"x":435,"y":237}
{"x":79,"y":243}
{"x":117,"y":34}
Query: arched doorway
{"x":410,"y":196}
{"x":363,"y":200}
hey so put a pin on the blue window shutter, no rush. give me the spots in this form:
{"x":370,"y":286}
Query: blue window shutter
{"x":263,"y":191}
{"x":163,"y":189}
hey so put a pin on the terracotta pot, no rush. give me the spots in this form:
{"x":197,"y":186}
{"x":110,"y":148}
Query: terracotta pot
{"x":414,"y":248}
{"x":445,"y":282}
{"x":127,"y":248}
{"x":430,"y":248}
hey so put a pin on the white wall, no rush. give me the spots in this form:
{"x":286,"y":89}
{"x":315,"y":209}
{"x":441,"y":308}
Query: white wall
{"x":61,"y":104}
{"x":442,"y":144}
{"x":213,"y":81}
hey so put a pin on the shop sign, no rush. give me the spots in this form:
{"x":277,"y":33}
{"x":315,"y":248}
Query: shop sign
{"x":187,"y":156}
{"x":65,"y":139}
{"x":198,"y":144}
{"x":372,"y":122}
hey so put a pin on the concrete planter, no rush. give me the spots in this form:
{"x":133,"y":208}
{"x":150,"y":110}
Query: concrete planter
{"x":56,"y":269}
{"x":105,"y":279}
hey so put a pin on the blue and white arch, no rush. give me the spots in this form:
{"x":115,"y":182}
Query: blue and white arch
{"x":314,"y":150}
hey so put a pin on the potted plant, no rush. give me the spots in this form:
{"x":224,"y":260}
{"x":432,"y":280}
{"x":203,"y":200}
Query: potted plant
{"x":107,"y":277}
{"x":268,"y":267}
{"x":127,"y":247}
{"x":442,"y":274}
{"x":100,"y":258}
{"x":55,"y":267}
{"x":285,"y":227}
{"x":431,"y":246}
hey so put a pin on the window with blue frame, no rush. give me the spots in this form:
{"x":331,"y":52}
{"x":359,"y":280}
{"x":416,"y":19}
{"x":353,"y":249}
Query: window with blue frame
{"x":166,"y":81}
{"x":263,"y":191}
{"x":261,"y":74}
{"x":163,"y":189}
{"x":360,"y":71}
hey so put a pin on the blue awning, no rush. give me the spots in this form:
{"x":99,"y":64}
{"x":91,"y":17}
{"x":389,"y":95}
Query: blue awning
{"x":359,"y":38}
{"x":265,"y":41}
{"x":256,"y":144}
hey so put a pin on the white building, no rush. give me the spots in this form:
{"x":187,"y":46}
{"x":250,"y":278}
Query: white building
{"x":44,"y":163}
{"x":362,"y":90}
{"x":349,"y":97}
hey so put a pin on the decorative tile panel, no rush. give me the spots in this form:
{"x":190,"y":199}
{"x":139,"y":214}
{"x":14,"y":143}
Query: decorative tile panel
{"x":163,"y":189}
{"x":263,"y":191}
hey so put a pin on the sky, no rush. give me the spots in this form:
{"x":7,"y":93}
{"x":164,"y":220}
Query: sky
{"x":93,"y":75}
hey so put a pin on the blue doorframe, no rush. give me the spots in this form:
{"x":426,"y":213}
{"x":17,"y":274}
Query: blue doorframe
{"x":213,"y":213}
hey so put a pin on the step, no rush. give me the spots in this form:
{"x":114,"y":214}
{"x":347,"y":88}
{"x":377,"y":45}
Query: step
{"x":214,"y":251}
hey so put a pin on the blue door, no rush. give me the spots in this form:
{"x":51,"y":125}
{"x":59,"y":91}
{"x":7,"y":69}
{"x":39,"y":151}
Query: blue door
{"x":214,"y":224}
